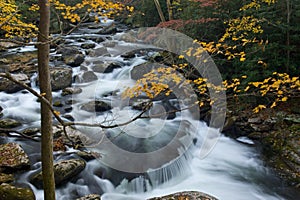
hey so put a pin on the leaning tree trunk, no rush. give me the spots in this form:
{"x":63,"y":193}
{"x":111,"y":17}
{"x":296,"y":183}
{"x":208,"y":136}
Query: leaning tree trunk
{"x":45,"y":89}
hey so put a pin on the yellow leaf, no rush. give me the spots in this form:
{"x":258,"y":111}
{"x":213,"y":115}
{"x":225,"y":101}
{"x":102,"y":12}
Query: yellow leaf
{"x":284,"y":99}
{"x":242,"y":59}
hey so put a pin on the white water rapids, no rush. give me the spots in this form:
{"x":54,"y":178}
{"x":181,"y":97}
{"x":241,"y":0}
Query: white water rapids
{"x":231,"y":171}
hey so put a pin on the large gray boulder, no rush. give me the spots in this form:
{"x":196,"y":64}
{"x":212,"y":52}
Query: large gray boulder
{"x":10,"y":87}
{"x":63,"y":171}
{"x":13,"y":157}
{"x":9,"y":192}
{"x":71,"y":56}
{"x":191,"y":195}
{"x":61,"y":77}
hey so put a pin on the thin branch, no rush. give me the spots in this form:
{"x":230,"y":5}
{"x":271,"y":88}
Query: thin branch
{"x":8,"y":131}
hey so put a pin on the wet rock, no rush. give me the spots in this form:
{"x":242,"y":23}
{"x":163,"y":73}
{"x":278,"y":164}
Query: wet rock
{"x":111,"y":66}
{"x":87,"y":156}
{"x":31,"y":131}
{"x":6,"y":178}
{"x":9,"y":192}
{"x":109,"y":30}
{"x":102,"y":51}
{"x":128,"y":38}
{"x":58,"y":104}
{"x":66,"y":51}
{"x":186,"y":195}
{"x":128,"y":55}
{"x":9,"y":123}
{"x":71,"y":56}
{"x":63,"y":171}
{"x":96,"y":106}
{"x":140,"y":104}
{"x":13,"y":157}
{"x":86,"y":77}
{"x":138,"y":71}
{"x":90,"y":197}
{"x":10,"y":87}
{"x":60,"y":78}
{"x":74,"y":60}
{"x":88,"y":45}
{"x":71,"y":90}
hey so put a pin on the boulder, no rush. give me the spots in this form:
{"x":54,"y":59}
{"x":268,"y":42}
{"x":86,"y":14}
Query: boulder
{"x":66,"y":51}
{"x":71,"y":90}
{"x":86,"y":77}
{"x":109,"y":30}
{"x":102,"y":51}
{"x":107,"y":67}
{"x":60,"y":78}
{"x":9,"y":192}
{"x":90,"y":197}
{"x":13,"y":157}
{"x":9,"y":123}
{"x":88,"y":45}
{"x":138,"y":71}
{"x":192,"y":195}
{"x":10,"y":87}
{"x":74,"y":60}
{"x":31,"y":131}
{"x":96,"y":106}
{"x":71,"y":56}
{"x":63,"y":171}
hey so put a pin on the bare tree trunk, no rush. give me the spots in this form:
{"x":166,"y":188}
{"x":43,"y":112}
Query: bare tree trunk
{"x":45,"y":89}
{"x":288,"y":20}
{"x":170,"y":10}
{"x":160,"y":12}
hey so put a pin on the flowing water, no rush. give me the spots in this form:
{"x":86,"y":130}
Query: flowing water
{"x":232,"y":170}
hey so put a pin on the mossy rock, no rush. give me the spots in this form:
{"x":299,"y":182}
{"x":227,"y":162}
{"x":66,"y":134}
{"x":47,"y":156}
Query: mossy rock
{"x":9,"y":192}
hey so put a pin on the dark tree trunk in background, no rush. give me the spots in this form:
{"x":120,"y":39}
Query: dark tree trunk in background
{"x":45,"y":89}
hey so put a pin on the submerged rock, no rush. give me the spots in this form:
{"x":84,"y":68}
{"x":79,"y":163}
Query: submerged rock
{"x":63,"y":171}
{"x":9,"y":192}
{"x":10,"y":87}
{"x":190,"y":195}
{"x":13,"y":157}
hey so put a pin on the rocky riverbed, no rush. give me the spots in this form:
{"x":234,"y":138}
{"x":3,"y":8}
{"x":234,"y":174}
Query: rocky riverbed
{"x":73,"y":61}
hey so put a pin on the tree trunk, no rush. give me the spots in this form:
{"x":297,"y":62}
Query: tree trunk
{"x":170,"y":9}
{"x":288,"y":19}
{"x":45,"y":89}
{"x":160,"y":12}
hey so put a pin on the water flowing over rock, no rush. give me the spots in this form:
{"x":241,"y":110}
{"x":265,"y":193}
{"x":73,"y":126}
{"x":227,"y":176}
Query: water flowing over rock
{"x":60,"y":78}
{"x":88,"y":45}
{"x":10,"y":87}
{"x":190,"y":195}
{"x":63,"y":171}
{"x":101,"y":51}
{"x":13,"y":157}
{"x":9,"y":123}
{"x":9,"y":192}
{"x":86,"y":77}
